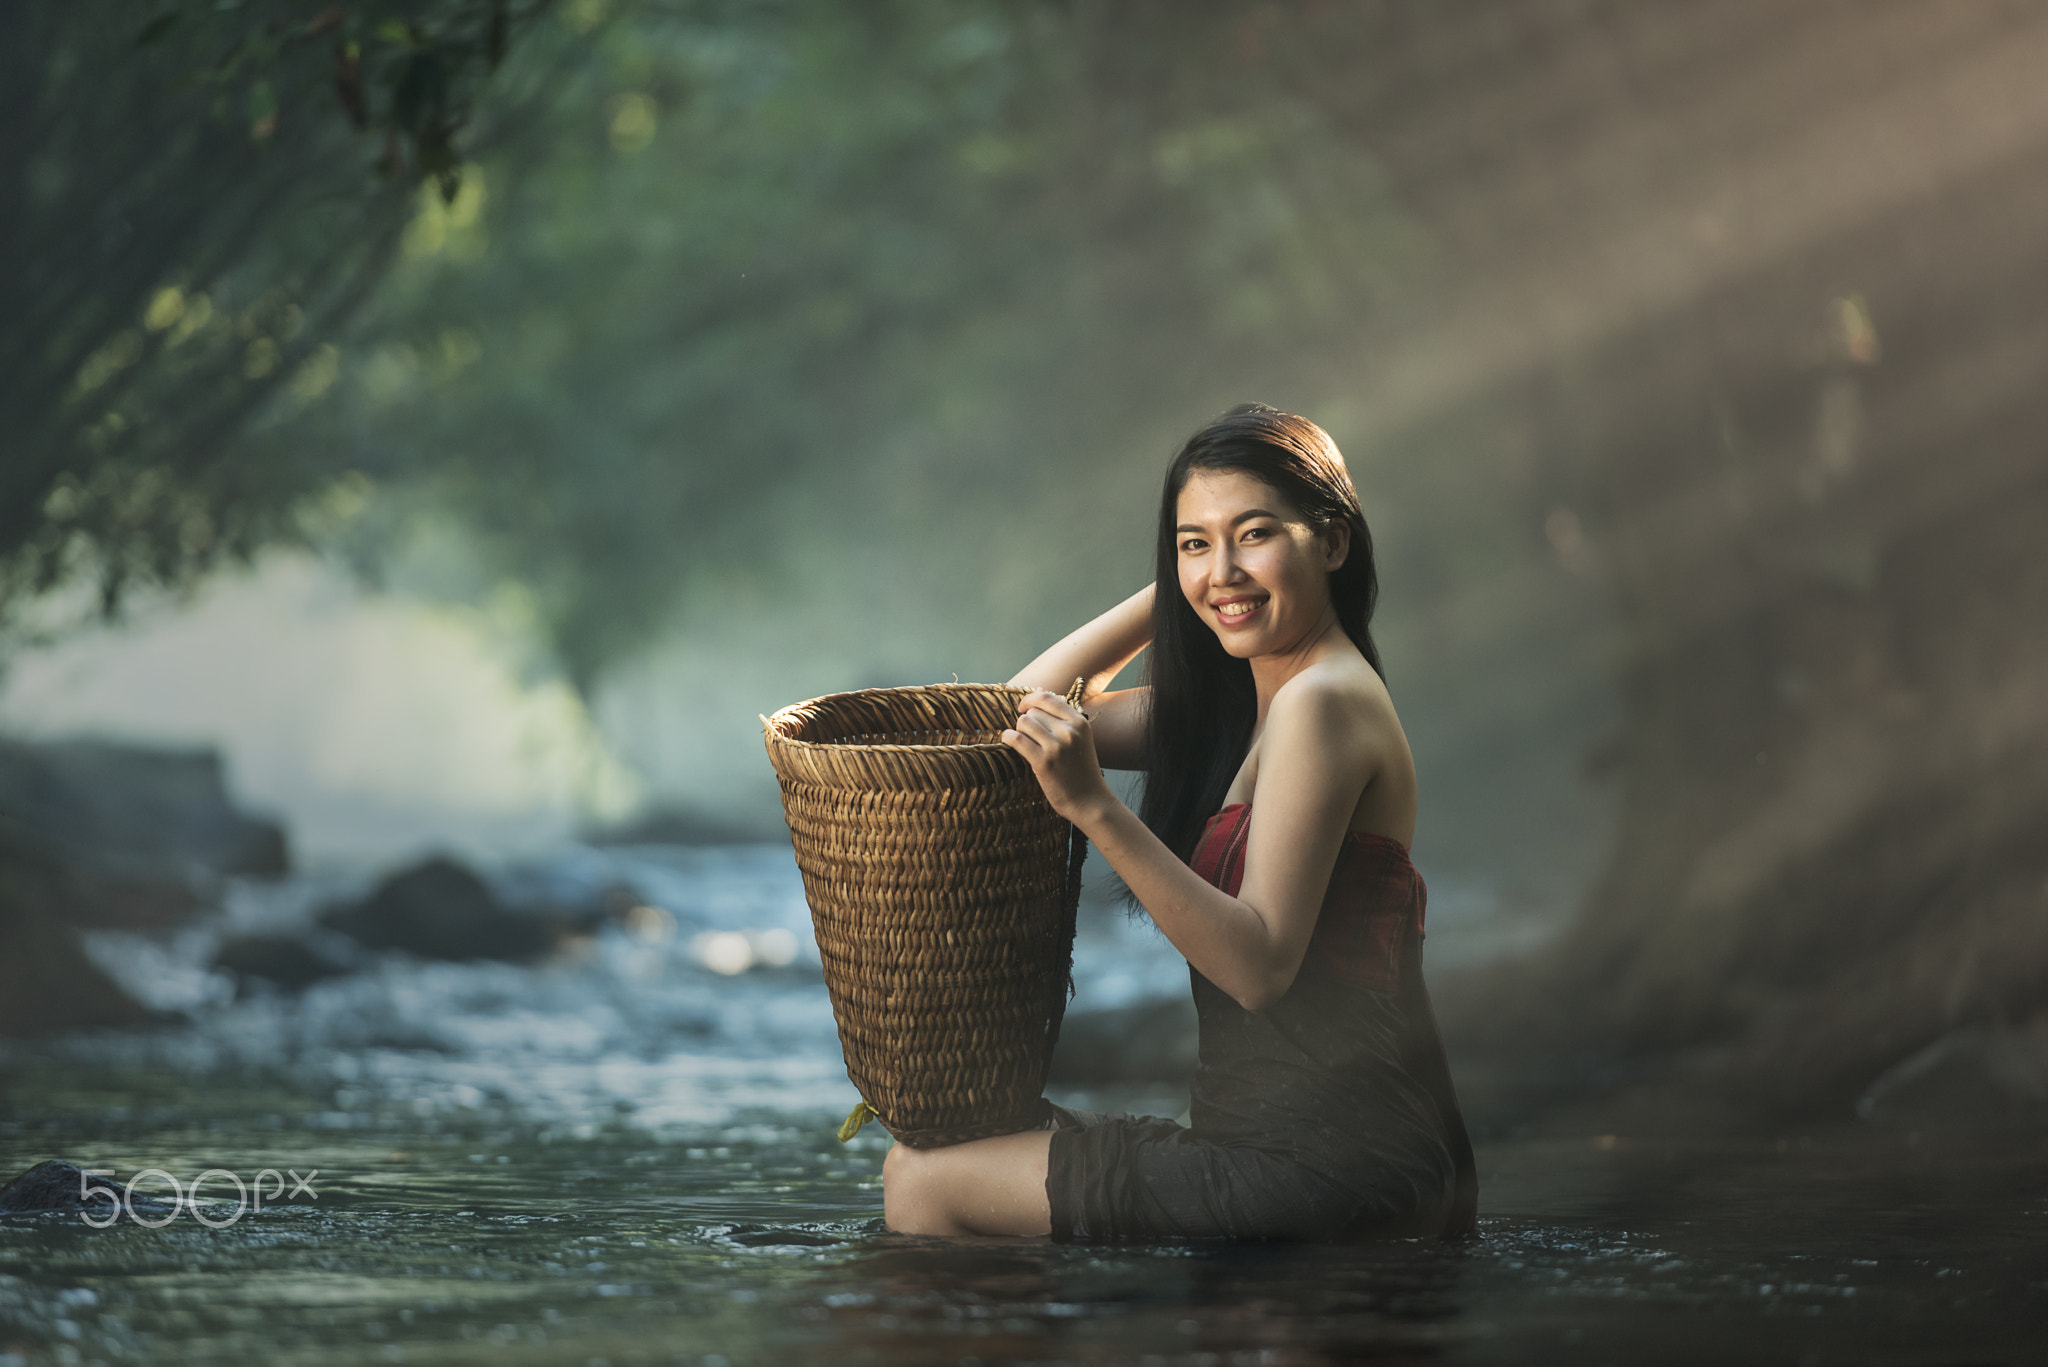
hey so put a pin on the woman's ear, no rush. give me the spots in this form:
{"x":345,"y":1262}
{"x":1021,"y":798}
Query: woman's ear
{"x":1337,"y":543}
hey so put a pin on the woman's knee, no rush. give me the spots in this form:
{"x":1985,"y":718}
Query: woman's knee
{"x":910,"y":1198}
{"x":903,"y":1166}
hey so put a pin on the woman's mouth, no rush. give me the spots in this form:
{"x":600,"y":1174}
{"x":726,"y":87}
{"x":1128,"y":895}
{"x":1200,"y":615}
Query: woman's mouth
{"x":1236,"y":612}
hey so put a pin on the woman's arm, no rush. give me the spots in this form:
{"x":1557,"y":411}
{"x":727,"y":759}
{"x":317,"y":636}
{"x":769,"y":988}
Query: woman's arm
{"x":1096,"y":651}
{"x":1317,"y":755}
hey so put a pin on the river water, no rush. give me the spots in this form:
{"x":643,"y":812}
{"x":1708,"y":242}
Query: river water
{"x":626,"y":1155}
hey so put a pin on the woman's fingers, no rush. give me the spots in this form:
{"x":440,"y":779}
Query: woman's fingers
{"x":1057,"y":732}
{"x":1040,"y":739}
{"x":1047,"y":720}
{"x":1050,"y":703}
{"x":1032,"y":738}
{"x":1053,"y":717}
{"x":1053,"y":737}
{"x":1041,"y":732}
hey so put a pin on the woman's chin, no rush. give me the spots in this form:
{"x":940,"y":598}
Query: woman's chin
{"x":1240,"y":645}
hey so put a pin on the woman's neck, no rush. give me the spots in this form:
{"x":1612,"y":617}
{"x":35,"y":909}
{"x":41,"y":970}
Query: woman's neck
{"x":1270,"y":672}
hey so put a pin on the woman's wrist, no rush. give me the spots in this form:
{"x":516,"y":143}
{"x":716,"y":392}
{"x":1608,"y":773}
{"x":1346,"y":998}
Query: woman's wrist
{"x":1095,"y":813}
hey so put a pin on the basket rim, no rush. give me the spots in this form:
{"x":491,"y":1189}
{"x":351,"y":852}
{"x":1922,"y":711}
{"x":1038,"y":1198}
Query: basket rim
{"x":771,"y":724}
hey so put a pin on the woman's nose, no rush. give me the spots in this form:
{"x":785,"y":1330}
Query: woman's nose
{"x":1226,"y":570}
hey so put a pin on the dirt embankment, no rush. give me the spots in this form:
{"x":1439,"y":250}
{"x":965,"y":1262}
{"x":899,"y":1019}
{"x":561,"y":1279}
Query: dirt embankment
{"x":1831,"y":556}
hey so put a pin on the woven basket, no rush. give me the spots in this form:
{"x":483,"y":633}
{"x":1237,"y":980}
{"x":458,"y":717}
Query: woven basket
{"x":942,"y":887}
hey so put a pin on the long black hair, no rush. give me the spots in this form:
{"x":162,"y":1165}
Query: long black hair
{"x":1203,"y":703}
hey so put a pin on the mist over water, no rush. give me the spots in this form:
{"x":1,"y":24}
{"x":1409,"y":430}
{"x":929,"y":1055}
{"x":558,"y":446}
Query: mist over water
{"x":374,"y":726}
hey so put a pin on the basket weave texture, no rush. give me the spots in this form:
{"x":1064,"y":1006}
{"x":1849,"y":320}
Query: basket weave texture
{"x":942,"y":888}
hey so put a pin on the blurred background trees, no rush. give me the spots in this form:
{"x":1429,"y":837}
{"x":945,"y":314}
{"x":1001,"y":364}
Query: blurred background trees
{"x":199,"y":196}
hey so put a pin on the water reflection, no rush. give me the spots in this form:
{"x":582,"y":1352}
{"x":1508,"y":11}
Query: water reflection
{"x":760,"y":1243}
{"x":930,"y":1302}
{"x":627,"y":1157}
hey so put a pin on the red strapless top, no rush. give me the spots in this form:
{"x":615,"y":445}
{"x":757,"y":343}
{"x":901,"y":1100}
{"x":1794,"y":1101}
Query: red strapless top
{"x":1375,"y":900}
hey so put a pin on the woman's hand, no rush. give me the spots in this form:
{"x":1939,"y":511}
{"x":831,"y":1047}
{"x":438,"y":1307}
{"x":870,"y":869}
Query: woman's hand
{"x":1055,"y":739}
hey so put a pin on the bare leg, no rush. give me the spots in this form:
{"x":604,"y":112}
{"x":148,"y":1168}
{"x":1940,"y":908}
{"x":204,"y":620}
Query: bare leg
{"x":988,"y":1186}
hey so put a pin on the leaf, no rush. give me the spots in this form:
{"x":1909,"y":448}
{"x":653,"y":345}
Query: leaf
{"x":156,"y":28}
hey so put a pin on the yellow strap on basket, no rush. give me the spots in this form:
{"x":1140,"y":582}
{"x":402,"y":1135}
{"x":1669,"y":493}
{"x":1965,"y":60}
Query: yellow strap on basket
{"x":855,"y":1118}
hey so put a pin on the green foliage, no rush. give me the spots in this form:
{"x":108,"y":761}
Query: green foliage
{"x":198,"y":200}
{"x":411,"y":71}
{"x":856,"y":303}
{"x":723,"y":302}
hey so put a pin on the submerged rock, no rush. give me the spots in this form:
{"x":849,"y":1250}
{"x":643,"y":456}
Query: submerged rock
{"x":1978,"y":1078}
{"x":1147,"y":1041}
{"x":577,"y":893}
{"x":140,"y":832}
{"x":48,"y":984}
{"x":437,"y":909}
{"x":441,"y":909}
{"x":52,"y":1184}
{"x":55,"y":1184}
{"x":290,"y":962}
{"x":95,"y":835}
{"x":46,"y":981}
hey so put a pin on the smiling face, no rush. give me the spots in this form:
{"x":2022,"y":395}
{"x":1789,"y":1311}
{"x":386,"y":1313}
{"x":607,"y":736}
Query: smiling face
{"x":1251,"y":565}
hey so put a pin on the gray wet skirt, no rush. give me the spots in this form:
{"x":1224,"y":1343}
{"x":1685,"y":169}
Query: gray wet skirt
{"x":1330,"y":1114}
{"x":1119,"y":1178}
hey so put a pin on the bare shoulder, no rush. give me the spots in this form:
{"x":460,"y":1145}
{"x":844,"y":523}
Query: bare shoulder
{"x":1336,"y":718}
{"x":1342,"y":695}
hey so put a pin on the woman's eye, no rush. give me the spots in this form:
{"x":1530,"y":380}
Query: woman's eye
{"x":1190,"y":547}
{"x":1255,"y":531}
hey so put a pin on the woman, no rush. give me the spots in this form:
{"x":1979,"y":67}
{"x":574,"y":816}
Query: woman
{"x":1272,"y":851}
